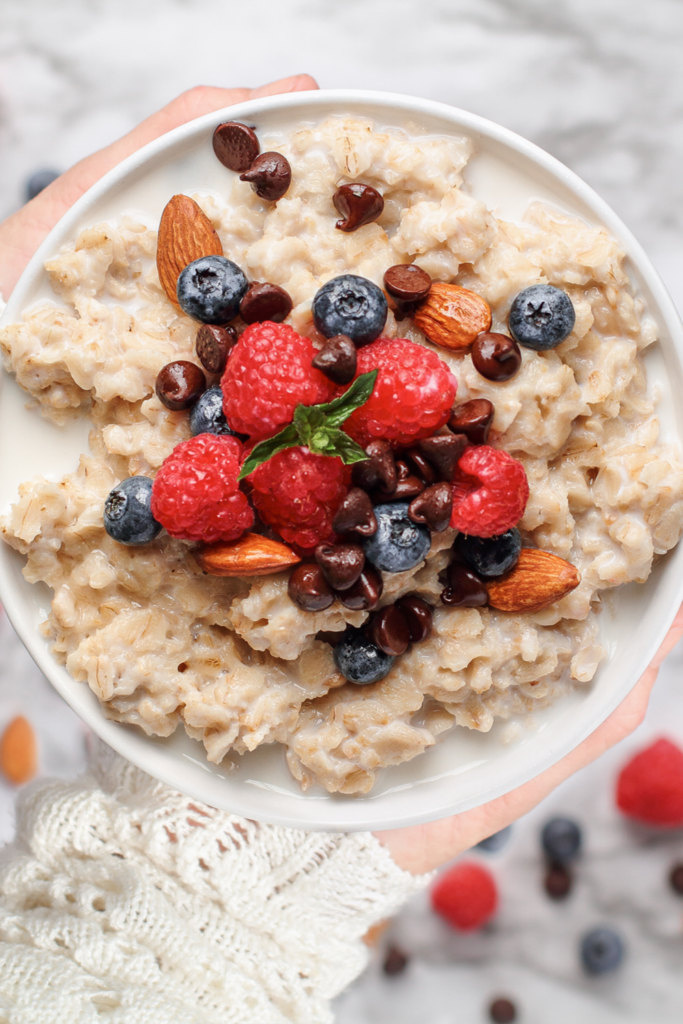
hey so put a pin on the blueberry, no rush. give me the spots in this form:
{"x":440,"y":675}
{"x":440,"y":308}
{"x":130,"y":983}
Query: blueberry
{"x":490,"y":556}
{"x":601,"y":951}
{"x":541,"y":317}
{"x":38,"y":181}
{"x":399,"y":543}
{"x":207,"y":416}
{"x":127,"y":514}
{"x":497,"y":841}
{"x":359,"y":660}
{"x":350,"y":305}
{"x":561,"y":839}
{"x":210,"y":289}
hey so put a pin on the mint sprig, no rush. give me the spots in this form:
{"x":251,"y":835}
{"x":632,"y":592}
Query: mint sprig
{"x":317,"y":428}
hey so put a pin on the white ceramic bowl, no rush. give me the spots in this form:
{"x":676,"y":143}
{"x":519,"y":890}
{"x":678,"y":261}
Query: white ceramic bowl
{"x":465,"y":769}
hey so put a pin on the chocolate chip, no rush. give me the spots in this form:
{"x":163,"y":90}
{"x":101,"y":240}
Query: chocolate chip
{"x":355,"y":514}
{"x":407,"y":282}
{"x":407,"y":484}
{"x":179,"y":384}
{"x":558,"y":881}
{"x":342,"y":564}
{"x":422,"y":467}
{"x":213,"y":345}
{"x":496,"y":356}
{"x":270,"y":176}
{"x":443,"y":451}
{"x":676,"y":879}
{"x":473,"y":419}
{"x":309,"y":589}
{"x":358,"y":204}
{"x":395,"y":961}
{"x":418,"y":615}
{"x":337,"y":359}
{"x":433,"y":507}
{"x":235,"y":145}
{"x":502,"y":1011}
{"x":464,"y":588}
{"x":389,"y":630}
{"x":379,"y":469}
{"x":265,"y":302}
{"x":365,"y":593}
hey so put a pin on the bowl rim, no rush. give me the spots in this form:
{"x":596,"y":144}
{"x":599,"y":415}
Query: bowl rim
{"x":365,"y":812}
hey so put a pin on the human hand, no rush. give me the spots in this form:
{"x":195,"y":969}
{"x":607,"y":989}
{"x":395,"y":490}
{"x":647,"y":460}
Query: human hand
{"x":421,"y":848}
{"x":22,"y":233}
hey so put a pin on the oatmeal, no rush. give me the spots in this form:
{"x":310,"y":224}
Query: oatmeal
{"x":234,"y":659}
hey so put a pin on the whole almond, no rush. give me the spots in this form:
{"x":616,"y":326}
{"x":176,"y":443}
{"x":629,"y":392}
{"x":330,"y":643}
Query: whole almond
{"x":452,"y":316}
{"x":538,"y":580}
{"x":18,"y":752}
{"x":251,"y":555}
{"x":185,"y":234}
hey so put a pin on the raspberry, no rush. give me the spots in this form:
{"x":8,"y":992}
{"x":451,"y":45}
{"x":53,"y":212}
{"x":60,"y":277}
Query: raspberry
{"x":490,"y":492}
{"x":195,"y":493}
{"x":413,"y":395}
{"x":650,"y":786}
{"x":466,"y":896}
{"x":298,"y":494}
{"x":268,"y":374}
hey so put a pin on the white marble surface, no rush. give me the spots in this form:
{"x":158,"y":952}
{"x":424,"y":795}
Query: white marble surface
{"x":597,"y":83}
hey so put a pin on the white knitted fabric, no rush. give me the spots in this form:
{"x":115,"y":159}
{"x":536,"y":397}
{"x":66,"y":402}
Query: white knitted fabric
{"x":125,"y":902}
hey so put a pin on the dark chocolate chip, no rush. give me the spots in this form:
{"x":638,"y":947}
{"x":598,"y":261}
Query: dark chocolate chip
{"x":496,"y":356}
{"x":389,"y":630}
{"x":270,"y":176}
{"x":235,"y":145}
{"x":676,"y":879}
{"x":558,"y":881}
{"x":407,"y":484}
{"x":337,"y":359}
{"x":358,"y":204}
{"x":265,"y":302}
{"x":309,"y":589}
{"x":342,"y":564}
{"x":418,"y":615}
{"x":407,"y":283}
{"x":378,"y":470}
{"x":213,"y":345}
{"x":433,"y":507}
{"x":464,"y":588}
{"x":179,"y":384}
{"x":355,"y":514}
{"x":365,"y":593}
{"x":443,"y":451}
{"x":473,"y":419}
{"x":395,"y":961}
{"x":502,"y":1011}
{"x":421,"y":465}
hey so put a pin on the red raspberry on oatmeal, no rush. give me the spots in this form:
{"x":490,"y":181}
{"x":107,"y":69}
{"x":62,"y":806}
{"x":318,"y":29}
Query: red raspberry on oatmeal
{"x":196,"y":495}
{"x":413,"y":394}
{"x":298,"y":494}
{"x":269,"y":373}
{"x":490,"y":492}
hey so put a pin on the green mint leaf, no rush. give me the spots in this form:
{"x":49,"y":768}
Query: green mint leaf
{"x":264,"y":450}
{"x":339,"y":409}
{"x":317,"y":428}
{"x":347,"y":449}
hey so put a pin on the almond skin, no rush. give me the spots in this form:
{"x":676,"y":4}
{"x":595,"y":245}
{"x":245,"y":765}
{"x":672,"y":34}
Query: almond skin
{"x":185,"y":234}
{"x":452,"y":316}
{"x":251,"y":555}
{"x":18,"y":752}
{"x":538,"y":580}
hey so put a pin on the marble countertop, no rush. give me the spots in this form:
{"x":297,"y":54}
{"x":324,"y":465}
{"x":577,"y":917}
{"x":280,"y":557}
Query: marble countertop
{"x":598,"y":84}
